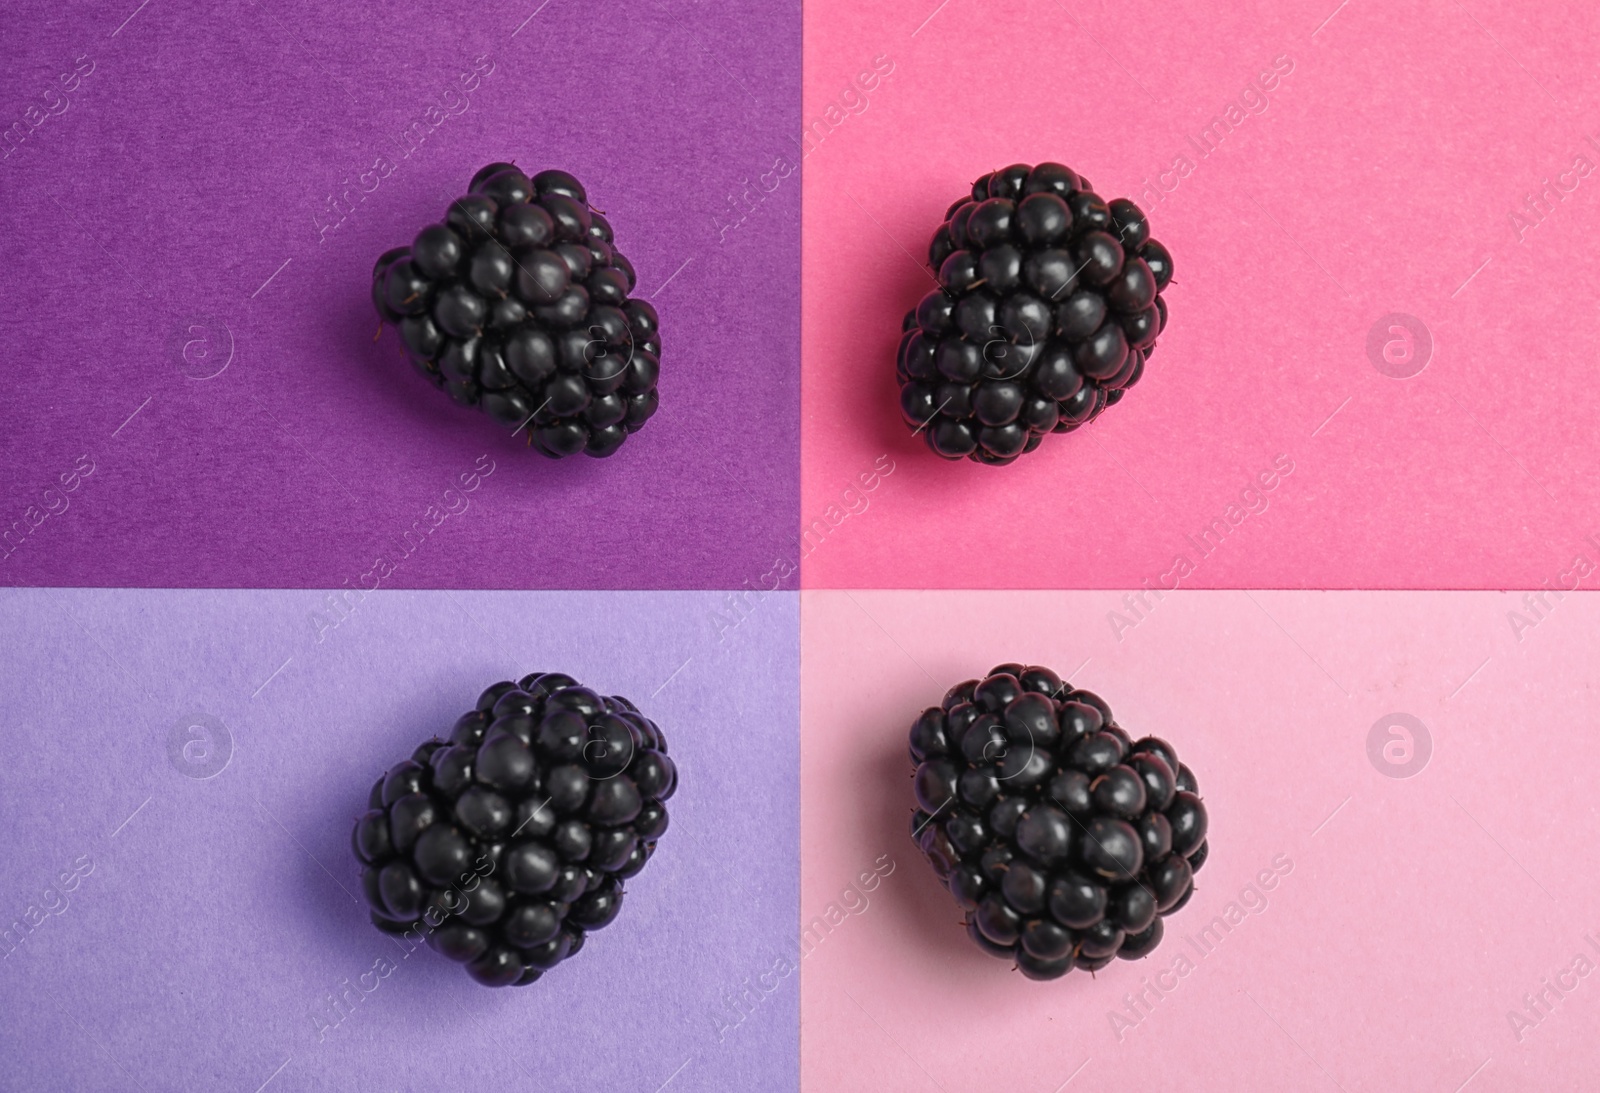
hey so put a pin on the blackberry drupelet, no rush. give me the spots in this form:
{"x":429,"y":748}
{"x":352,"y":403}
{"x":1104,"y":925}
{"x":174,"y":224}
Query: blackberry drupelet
{"x":518,"y":303}
{"x":1064,"y":840}
{"x":1048,"y":306}
{"x":506,"y":844}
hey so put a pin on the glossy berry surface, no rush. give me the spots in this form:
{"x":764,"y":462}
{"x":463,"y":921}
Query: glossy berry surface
{"x":1047,"y":308}
{"x":506,"y":844}
{"x":518,"y":303}
{"x":1064,"y":840}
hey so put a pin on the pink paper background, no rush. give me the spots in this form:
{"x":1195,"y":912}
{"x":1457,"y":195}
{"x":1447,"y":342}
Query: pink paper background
{"x":1418,"y":910}
{"x":1382,"y":173}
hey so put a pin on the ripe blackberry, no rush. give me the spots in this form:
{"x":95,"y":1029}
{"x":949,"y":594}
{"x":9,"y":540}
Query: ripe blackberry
{"x":1048,"y":305}
{"x":506,"y":843}
{"x":518,"y":303}
{"x":1064,"y":840}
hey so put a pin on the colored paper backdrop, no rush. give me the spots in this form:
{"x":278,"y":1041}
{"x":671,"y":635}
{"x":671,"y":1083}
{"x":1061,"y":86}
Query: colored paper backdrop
{"x":210,"y":914}
{"x":1413,"y":771}
{"x":193,"y":201}
{"x":1379,"y":218}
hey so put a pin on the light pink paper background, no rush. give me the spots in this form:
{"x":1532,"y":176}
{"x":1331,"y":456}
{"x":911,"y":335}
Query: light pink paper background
{"x":1418,"y":910}
{"x":1380,"y":177}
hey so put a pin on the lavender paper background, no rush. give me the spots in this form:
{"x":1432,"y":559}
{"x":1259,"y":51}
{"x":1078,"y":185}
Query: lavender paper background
{"x":162,"y":219}
{"x":219,"y":913}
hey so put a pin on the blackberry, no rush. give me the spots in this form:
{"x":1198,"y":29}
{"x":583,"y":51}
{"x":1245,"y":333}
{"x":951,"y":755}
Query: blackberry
{"x":507,"y":843}
{"x":1064,"y":840}
{"x":517,"y":303}
{"x":1048,"y":306}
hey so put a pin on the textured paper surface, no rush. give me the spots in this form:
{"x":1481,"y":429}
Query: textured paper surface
{"x":217,"y":915}
{"x":1378,"y":176}
{"x":1416,"y":912}
{"x":169,"y":217}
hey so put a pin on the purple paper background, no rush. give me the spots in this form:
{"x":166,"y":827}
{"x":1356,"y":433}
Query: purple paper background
{"x":141,"y":222}
{"x":217,"y":919}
